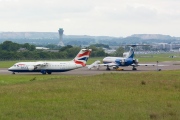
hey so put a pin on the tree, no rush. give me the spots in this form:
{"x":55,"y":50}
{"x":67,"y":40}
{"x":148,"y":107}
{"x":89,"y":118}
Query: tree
{"x":65,"y":48}
{"x":10,"y":46}
{"x":100,"y":53}
{"x":29,"y":47}
{"x":119,"y":51}
{"x":73,"y":51}
{"x":97,"y":52}
{"x":101,"y":45}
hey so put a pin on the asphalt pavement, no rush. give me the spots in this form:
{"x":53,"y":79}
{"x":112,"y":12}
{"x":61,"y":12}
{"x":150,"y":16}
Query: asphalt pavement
{"x":86,"y":71}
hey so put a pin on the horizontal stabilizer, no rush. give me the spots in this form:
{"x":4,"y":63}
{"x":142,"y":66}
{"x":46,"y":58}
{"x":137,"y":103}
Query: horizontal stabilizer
{"x":137,"y":45}
{"x":94,"y":64}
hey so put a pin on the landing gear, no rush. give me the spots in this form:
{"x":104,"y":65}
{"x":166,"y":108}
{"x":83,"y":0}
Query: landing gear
{"x":49,"y":73}
{"x":98,"y":67}
{"x":108,"y":68}
{"x":13,"y":73}
{"x":43,"y":72}
{"x":134,"y":68}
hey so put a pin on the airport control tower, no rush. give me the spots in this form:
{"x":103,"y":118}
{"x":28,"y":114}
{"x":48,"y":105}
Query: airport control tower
{"x":60,"y":37}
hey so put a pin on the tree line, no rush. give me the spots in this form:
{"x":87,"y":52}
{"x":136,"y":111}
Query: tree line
{"x":14,"y":51}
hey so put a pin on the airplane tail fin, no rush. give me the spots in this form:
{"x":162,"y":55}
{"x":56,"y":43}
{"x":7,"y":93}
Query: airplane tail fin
{"x":131,"y":53}
{"x":82,"y":57}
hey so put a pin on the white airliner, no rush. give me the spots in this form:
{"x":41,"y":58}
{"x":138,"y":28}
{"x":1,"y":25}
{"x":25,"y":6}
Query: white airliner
{"x":117,"y":62}
{"x":54,"y":66}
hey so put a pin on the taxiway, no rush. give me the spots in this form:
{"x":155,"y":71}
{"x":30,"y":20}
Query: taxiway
{"x":85,"y":71}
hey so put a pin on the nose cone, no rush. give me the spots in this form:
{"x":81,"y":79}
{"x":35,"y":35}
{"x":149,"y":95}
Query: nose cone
{"x":10,"y":69}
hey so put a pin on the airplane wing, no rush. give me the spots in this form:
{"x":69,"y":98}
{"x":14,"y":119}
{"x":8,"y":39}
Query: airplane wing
{"x":97,"y":64}
{"x":40,"y":63}
{"x":36,"y":65}
{"x":109,"y":64}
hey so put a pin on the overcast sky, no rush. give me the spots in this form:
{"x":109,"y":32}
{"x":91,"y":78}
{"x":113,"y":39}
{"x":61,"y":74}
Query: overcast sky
{"x":119,"y":18}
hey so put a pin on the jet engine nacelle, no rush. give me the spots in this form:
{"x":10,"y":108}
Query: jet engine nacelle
{"x":30,"y":68}
{"x":115,"y":67}
{"x":135,"y":61}
{"x":123,"y":61}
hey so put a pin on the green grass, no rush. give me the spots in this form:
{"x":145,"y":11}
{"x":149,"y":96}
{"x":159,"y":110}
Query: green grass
{"x":126,"y":96}
{"x":158,"y":57}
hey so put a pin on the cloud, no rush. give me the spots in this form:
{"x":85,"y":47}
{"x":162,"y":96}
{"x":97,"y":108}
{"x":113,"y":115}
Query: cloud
{"x":40,"y":9}
{"x":95,"y":17}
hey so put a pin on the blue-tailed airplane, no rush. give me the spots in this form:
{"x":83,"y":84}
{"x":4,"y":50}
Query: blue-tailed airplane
{"x":117,"y":62}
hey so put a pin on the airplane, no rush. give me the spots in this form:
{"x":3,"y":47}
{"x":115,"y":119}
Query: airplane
{"x":117,"y":62}
{"x":53,"y":66}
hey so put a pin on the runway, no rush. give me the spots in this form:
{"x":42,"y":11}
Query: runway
{"x":102,"y":70}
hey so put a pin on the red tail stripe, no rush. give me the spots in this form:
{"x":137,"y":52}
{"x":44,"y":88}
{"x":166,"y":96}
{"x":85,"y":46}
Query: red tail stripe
{"x":86,"y":53}
{"x":21,"y":64}
{"x":79,"y":62}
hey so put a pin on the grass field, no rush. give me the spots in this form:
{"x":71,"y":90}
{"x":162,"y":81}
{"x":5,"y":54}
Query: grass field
{"x":126,"y":96}
{"x":158,"y":57}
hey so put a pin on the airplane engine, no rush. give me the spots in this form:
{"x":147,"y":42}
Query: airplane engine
{"x":115,"y":67}
{"x":30,"y":68}
{"x":135,"y":61}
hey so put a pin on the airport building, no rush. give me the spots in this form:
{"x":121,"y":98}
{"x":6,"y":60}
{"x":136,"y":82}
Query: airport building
{"x":166,"y":47}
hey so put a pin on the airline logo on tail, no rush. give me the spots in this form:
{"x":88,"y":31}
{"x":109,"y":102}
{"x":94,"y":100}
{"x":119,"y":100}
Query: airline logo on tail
{"x":82,"y":57}
{"x":131,"y":53}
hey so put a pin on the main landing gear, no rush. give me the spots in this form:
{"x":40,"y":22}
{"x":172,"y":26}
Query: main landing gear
{"x":44,"y":72}
{"x":108,"y":68}
{"x":49,"y":73}
{"x":134,"y":68}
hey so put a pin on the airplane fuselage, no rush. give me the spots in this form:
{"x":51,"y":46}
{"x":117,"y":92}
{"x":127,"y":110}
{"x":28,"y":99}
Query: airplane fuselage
{"x":120,"y":61}
{"x":53,"y":66}
{"x":48,"y":67}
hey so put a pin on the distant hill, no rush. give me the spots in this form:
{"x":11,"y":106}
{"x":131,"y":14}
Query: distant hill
{"x":43,"y":35}
{"x":45,"y":38}
{"x":55,"y":35}
{"x":153,"y":36}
